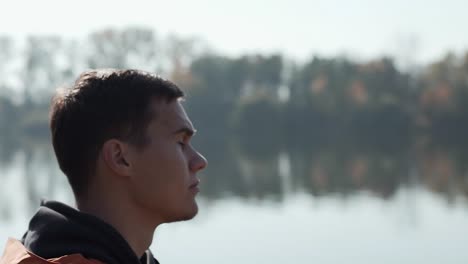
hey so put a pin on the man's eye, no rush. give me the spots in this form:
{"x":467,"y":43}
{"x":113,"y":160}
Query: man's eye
{"x":181,"y":143}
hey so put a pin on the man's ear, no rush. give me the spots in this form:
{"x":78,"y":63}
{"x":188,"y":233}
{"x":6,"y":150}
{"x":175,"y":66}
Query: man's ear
{"x":115,"y":155}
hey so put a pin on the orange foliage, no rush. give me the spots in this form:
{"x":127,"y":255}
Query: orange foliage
{"x":318,"y":85}
{"x":358,"y":92}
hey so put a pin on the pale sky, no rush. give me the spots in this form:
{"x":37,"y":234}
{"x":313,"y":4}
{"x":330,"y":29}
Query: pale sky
{"x":423,"y":29}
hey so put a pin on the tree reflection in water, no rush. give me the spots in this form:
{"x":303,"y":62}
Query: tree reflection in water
{"x":269,"y":172}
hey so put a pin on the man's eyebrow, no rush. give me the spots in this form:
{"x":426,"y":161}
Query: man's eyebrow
{"x":187,"y":130}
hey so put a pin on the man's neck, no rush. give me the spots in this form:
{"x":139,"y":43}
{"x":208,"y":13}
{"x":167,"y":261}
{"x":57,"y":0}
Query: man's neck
{"x":125,"y":219}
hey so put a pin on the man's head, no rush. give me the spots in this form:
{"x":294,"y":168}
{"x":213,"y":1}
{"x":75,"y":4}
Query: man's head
{"x":131,"y":123}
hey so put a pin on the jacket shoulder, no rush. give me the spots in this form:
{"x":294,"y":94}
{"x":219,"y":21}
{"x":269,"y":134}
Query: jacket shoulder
{"x":16,"y":253}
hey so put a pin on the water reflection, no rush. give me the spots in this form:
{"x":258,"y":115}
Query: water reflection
{"x":249,"y":172}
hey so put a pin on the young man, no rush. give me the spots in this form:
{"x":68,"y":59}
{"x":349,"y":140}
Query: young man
{"x":122,"y":138}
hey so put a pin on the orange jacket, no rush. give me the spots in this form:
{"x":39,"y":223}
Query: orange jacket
{"x":16,"y":253}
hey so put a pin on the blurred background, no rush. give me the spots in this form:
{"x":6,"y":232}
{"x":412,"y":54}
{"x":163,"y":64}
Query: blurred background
{"x":336,"y":131}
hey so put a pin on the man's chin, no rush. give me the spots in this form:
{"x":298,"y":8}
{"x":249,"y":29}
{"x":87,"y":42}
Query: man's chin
{"x":186,"y":216}
{"x":191,"y":215}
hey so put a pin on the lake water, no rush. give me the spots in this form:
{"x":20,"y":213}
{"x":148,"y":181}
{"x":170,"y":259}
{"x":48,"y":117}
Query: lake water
{"x":289,"y":206}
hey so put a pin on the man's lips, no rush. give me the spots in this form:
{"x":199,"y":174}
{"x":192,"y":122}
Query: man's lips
{"x":194,"y":185}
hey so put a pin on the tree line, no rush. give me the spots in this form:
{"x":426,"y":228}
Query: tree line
{"x":347,"y":125}
{"x":256,"y":97}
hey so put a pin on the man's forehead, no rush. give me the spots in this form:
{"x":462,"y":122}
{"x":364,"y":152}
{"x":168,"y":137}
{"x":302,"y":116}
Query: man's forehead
{"x":172,"y":115}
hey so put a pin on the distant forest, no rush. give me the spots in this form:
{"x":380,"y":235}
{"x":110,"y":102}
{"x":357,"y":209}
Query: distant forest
{"x":255,"y":97}
{"x":339,"y":124}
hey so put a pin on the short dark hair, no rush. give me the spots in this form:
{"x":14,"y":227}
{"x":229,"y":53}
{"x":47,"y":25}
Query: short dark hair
{"x":101,"y":105}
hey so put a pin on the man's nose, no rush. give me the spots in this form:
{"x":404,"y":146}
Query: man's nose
{"x":198,"y":162}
